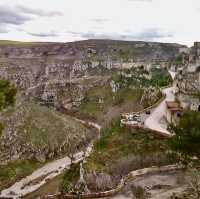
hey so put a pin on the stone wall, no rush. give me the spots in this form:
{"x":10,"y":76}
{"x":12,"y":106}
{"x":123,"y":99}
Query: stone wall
{"x":131,"y":176}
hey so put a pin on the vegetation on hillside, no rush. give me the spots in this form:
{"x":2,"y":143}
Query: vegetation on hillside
{"x":70,"y":178}
{"x":179,"y":60}
{"x":22,"y":43}
{"x":118,"y":143}
{"x":7,"y":94}
{"x":16,"y":170}
{"x":186,"y":140}
{"x":99,"y":101}
{"x":140,"y":78}
{"x":102,"y":101}
{"x":46,"y":128}
{"x":120,"y":151}
{"x":160,"y":77}
{"x":7,"y":97}
{"x":43,"y":130}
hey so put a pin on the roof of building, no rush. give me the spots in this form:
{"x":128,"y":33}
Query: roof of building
{"x":173,"y":106}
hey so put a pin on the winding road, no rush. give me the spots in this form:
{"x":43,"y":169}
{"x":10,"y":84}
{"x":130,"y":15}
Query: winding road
{"x":154,"y":121}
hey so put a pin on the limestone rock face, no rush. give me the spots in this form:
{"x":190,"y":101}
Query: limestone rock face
{"x":114,"y":86}
{"x":59,"y":74}
{"x":42,"y":70}
{"x":150,"y":96}
{"x":40,"y":157}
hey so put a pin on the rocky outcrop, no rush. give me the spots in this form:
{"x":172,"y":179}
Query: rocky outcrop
{"x":42,"y":69}
{"x":60,"y":74}
{"x":150,"y":96}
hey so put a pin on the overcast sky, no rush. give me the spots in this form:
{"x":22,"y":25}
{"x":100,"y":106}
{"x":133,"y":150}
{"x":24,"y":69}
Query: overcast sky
{"x":70,"y":20}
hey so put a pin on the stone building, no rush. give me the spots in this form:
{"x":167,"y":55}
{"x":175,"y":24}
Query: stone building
{"x":187,"y":81}
{"x":187,"y":89}
{"x":173,"y":112}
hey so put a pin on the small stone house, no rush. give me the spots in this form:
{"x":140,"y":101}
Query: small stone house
{"x":187,"y":87}
{"x":173,"y":112}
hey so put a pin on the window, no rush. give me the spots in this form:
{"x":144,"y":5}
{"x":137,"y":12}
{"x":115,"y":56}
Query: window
{"x":178,"y":114}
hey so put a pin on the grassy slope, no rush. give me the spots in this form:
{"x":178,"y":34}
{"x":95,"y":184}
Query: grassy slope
{"x":125,"y":99}
{"x":120,"y":151}
{"x":47,"y":127}
{"x":43,"y":128}
{"x":52,"y":187}
{"x":22,"y":43}
{"x":12,"y":172}
{"x":118,"y":146}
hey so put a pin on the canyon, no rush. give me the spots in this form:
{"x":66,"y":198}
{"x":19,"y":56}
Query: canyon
{"x":61,"y":84}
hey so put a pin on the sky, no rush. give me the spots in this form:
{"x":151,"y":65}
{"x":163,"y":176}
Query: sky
{"x":174,"y":21}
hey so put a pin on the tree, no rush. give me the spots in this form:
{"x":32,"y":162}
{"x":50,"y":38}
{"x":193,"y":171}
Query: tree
{"x":70,"y":178}
{"x":7,"y":94}
{"x":186,"y":140}
{"x":179,"y":60}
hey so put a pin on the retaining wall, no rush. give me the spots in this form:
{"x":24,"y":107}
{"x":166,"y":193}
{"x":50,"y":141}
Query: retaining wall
{"x":152,"y":106}
{"x":139,"y":126}
{"x":131,"y":176}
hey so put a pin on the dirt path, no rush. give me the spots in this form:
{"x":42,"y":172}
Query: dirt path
{"x":45,"y":173}
{"x":50,"y":171}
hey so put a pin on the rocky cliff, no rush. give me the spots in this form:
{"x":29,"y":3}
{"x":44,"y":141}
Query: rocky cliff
{"x":36,"y":66}
{"x":61,"y":74}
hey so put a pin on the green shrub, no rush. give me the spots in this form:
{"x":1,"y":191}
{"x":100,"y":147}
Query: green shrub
{"x":7,"y":94}
{"x":1,"y":128}
{"x":71,"y":176}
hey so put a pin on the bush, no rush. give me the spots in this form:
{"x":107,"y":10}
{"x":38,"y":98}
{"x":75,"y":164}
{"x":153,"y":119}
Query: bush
{"x":99,"y":181}
{"x":70,"y":178}
{"x":1,"y":128}
{"x":7,"y":94}
{"x":127,"y":164}
{"x":139,"y":192}
{"x":186,"y":140}
{"x":193,"y":181}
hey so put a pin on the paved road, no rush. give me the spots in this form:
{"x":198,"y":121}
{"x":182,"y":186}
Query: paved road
{"x":154,"y":121}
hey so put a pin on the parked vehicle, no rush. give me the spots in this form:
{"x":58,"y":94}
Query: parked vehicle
{"x":148,"y":112}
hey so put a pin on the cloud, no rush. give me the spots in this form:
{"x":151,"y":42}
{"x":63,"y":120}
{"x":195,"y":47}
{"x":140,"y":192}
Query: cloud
{"x":146,"y":35}
{"x":141,"y":0}
{"x":100,"y":20}
{"x":19,"y":15}
{"x":43,"y":34}
{"x":151,"y":34}
{"x":9,"y":15}
{"x":37,"y":12}
{"x":3,"y":30}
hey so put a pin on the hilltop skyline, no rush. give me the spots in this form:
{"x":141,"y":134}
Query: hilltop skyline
{"x":173,"y":21}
